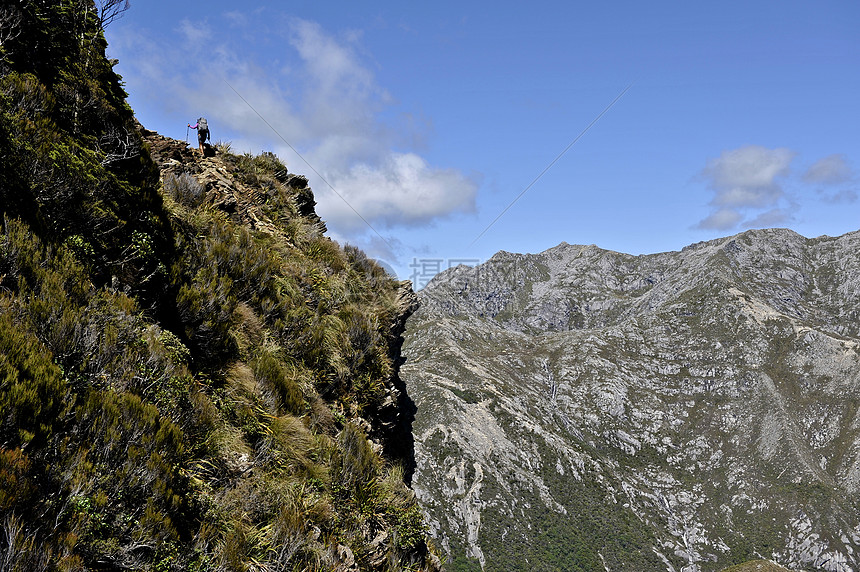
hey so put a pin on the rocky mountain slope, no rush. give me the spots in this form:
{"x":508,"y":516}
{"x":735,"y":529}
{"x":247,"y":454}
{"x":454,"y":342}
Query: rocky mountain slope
{"x":581,"y":409}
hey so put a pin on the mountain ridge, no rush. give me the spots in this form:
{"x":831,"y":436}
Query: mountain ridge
{"x":627,"y":275}
{"x":656,"y":377}
{"x":193,"y":376}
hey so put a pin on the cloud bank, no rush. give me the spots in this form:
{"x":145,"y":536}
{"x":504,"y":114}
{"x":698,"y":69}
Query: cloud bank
{"x":831,"y":170}
{"x":313,"y":89}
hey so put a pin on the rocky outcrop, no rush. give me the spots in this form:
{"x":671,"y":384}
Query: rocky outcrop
{"x":223,"y":188}
{"x":391,"y":425}
{"x":585,"y":409}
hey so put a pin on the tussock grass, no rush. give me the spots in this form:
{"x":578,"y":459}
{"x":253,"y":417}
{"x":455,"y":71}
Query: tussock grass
{"x":282,"y":381}
{"x":190,"y":395}
{"x":184,"y":190}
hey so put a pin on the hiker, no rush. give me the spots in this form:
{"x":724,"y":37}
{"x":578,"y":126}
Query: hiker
{"x":202,"y":128}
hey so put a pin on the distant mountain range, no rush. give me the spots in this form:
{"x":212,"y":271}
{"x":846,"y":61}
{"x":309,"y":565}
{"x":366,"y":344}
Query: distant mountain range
{"x":582,"y":409}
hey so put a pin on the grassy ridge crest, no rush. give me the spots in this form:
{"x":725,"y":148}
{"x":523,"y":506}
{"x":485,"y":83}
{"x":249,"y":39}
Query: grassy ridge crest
{"x":182,"y":387}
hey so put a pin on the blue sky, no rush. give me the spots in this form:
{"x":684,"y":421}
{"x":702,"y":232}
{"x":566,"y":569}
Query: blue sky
{"x":430,"y":119}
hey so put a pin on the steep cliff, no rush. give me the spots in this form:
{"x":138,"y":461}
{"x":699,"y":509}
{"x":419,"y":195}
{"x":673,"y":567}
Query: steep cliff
{"x":581,"y":409}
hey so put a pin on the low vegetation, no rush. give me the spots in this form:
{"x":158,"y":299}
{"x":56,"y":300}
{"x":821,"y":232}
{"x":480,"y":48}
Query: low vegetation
{"x":177,"y":391}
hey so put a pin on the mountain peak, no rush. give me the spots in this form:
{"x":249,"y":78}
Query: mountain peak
{"x":572,"y":286}
{"x":674,"y":411}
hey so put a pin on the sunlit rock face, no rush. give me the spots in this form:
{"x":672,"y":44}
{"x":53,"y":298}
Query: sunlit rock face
{"x":581,"y":409}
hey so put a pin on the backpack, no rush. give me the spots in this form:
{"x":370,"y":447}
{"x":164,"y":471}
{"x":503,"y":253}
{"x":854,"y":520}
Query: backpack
{"x":202,"y":125}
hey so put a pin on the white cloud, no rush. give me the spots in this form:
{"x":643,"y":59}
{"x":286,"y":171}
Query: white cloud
{"x":196,"y":34}
{"x":747,"y":177}
{"x":236,"y":17}
{"x":333,"y":66}
{"x":403,"y":189}
{"x":831,"y":170}
{"x":829,"y":174}
{"x":722,"y":219}
{"x":746,"y":180}
{"x":841,"y":197}
{"x":771,"y":218}
{"x":317,"y":93}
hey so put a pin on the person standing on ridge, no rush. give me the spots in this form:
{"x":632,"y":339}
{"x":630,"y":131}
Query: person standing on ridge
{"x":202,"y":128}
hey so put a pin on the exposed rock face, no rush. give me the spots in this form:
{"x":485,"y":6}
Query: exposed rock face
{"x":581,"y":409}
{"x":392,"y":421}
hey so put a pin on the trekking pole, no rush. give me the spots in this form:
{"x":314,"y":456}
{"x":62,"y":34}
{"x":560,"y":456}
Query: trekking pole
{"x":187,"y":127}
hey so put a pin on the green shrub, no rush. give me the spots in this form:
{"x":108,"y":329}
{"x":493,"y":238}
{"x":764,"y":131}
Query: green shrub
{"x":32,"y":392}
{"x":367,"y":273}
{"x":411,"y":528}
{"x":207,"y":307}
{"x":138,"y":454}
{"x":15,"y":484}
{"x":68,"y":188}
{"x":326,"y":251}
